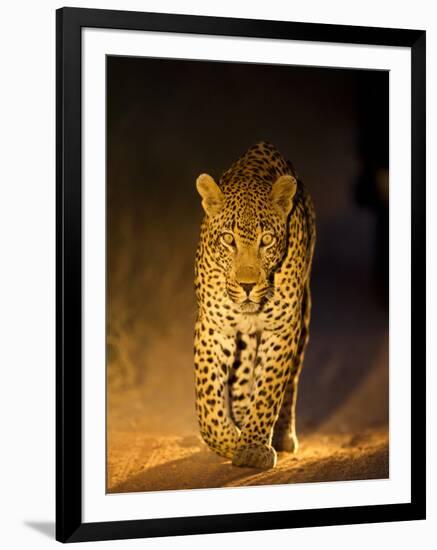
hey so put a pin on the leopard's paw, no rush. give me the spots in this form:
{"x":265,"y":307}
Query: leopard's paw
{"x":286,"y":442}
{"x":255,"y":455}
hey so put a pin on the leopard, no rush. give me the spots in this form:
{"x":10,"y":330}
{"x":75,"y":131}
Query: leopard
{"x":252,"y":285}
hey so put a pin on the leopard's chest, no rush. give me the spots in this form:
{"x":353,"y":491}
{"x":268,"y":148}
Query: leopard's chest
{"x":250,"y":324}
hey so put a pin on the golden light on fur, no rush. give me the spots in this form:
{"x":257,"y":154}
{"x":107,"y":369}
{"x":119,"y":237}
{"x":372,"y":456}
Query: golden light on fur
{"x":253,"y":307}
{"x":212,"y":197}
{"x":283,"y":191}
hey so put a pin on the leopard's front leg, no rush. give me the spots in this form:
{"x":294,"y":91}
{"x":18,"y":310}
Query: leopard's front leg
{"x":214,"y":354}
{"x":275,"y":354}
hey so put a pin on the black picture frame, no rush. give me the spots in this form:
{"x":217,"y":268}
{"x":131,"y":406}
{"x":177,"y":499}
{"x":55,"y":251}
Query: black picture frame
{"x":69,"y":525}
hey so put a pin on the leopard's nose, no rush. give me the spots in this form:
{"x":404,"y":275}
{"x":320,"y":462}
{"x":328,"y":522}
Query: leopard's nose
{"x":247,"y":287}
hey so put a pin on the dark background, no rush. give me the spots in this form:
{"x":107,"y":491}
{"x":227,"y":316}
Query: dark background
{"x":167,"y":122}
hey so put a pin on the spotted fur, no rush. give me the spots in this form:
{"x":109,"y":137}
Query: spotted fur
{"x":252,"y":275}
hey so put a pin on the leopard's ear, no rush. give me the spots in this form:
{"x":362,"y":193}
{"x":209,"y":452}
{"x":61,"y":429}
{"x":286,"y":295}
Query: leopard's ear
{"x":283,"y":191}
{"x":212,"y":197}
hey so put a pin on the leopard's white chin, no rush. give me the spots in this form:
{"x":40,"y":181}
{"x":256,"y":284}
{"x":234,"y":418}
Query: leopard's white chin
{"x":249,"y":307}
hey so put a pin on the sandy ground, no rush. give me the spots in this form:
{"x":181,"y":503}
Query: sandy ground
{"x":166,"y":463}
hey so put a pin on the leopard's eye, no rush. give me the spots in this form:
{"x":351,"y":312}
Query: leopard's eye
{"x":267,"y":239}
{"x":228,"y":239}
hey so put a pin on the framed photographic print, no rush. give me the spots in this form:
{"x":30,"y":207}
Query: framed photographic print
{"x":240,"y":274}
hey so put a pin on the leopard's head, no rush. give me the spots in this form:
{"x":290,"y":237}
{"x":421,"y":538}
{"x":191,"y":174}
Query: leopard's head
{"x":246,"y":233}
